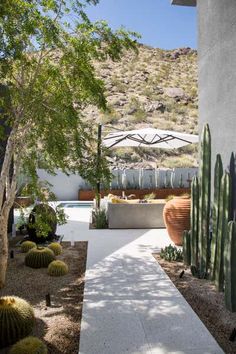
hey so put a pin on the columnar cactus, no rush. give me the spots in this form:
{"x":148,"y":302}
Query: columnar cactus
{"x":224,"y":215}
{"x":230,"y":267}
{"x":187,"y":247}
{"x":215,"y":212}
{"x":205,"y":200}
{"x":194,"y":221}
{"x":39,"y":257}
{"x":16,"y":320}
{"x":29,"y":345}
{"x":232,"y":171}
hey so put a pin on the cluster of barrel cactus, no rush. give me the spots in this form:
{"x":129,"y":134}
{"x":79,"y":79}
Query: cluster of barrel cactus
{"x":211,"y":243}
{"x":29,"y":345}
{"x":17,"y":315}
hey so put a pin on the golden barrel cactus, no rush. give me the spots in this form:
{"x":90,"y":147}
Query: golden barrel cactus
{"x":56,"y":248}
{"x":39,"y":257}
{"x":27,"y":245}
{"x":57,"y":268}
{"x":16,"y":320}
{"x":29,"y":345}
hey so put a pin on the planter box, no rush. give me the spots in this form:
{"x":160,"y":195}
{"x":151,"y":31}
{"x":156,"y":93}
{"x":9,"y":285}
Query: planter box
{"x":136,"y":216}
{"x":161,"y":193}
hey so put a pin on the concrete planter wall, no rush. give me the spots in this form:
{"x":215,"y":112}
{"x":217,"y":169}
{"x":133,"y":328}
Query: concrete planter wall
{"x":161,"y":193}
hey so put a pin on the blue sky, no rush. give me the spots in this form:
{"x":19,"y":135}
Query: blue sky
{"x":160,"y":24}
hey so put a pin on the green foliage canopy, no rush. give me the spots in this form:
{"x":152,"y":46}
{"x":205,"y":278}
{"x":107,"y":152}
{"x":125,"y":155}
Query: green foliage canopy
{"x":47,"y":51}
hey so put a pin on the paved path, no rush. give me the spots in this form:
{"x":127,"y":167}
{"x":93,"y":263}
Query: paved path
{"x":130,"y":305}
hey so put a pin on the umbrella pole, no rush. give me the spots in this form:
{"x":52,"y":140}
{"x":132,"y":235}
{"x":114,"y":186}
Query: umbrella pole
{"x":98,"y":186}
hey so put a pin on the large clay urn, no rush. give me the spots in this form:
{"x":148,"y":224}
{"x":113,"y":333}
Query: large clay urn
{"x":176,"y":216}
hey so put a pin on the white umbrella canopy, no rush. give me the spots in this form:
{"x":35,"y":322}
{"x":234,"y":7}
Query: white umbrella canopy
{"x":149,"y":137}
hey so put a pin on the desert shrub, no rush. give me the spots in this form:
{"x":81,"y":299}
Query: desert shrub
{"x":171,"y":253}
{"x":16,"y":320}
{"x":149,"y":196}
{"x":100,"y":218}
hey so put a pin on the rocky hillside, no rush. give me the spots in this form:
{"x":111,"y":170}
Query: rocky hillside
{"x":156,"y":88}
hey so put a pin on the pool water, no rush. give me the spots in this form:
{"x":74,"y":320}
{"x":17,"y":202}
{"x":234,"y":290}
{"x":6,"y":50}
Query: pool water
{"x":75,"y":205}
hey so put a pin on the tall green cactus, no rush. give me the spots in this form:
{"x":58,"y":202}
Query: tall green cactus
{"x":224,"y":215}
{"x":194,"y":221}
{"x":205,"y":200}
{"x":215,"y":212}
{"x":232,"y":171}
{"x":187,"y":247}
{"x":230,"y":268}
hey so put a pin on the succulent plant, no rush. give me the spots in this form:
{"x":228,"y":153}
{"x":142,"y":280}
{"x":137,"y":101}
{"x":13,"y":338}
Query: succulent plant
{"x":204,"y":200}
{"x":56,"y":248}
{"x":16,"y":319}
{"x":218,"y":173}
{"x":27,"y":245}
{"x":194,"y":221}
{"x":187,"y":247}
{"x":39,"y":257}
{"x":171,"y":253}
{"x":29,"y":345}
{"x":230,"y":267}
{"x":224,"y":214}
{"x":57,"y":268}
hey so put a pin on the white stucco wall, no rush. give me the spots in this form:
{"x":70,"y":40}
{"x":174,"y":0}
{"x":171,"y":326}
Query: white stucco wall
{"x":67,"y":187}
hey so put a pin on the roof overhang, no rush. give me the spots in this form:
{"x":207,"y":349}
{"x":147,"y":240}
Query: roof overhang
{"x":184,"y":2}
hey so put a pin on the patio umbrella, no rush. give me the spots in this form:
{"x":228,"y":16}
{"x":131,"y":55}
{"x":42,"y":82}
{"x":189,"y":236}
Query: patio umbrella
{"x":149,"y":137}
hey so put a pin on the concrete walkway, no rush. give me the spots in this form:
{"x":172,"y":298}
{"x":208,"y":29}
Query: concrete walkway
{"x":130,"y":305}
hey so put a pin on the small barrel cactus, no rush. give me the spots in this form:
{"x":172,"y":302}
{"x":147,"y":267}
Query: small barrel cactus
{"x":16,"y":320}
{"x":39,"y":257}
{"x":29,"y":345}
{"x":56,"y":248}
{"x":57,"y":268}
{"x":27,"y":245}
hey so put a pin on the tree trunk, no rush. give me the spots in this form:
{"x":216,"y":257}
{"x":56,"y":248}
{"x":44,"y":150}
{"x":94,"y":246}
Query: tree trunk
{"x":3,"y":250}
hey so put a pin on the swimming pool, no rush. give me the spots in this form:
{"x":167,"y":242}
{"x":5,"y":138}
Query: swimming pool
{"x":75,"y":204}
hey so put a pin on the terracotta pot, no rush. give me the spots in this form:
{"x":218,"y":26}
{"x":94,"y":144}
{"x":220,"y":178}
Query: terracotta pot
{"x":176,"y":216}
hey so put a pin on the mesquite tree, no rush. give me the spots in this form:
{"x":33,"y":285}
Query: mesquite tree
{"x":47,"y":50}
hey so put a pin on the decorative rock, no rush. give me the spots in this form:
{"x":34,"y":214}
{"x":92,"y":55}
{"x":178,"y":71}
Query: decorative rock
{"x":175,"y":92}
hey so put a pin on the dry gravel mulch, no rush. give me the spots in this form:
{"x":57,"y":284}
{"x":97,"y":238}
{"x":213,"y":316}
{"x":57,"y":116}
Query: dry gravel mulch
{"x":58,"y":325}
{"x":207,"y":303}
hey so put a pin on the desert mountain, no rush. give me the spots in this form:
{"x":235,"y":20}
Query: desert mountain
{"x":154,"y":88}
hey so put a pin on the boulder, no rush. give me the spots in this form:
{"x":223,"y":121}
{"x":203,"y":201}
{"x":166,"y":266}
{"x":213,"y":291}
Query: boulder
{"x":175,"y":92}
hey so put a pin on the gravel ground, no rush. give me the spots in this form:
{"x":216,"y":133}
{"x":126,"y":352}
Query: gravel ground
{"x":207,"y":303}
{"x":58,"y":325}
